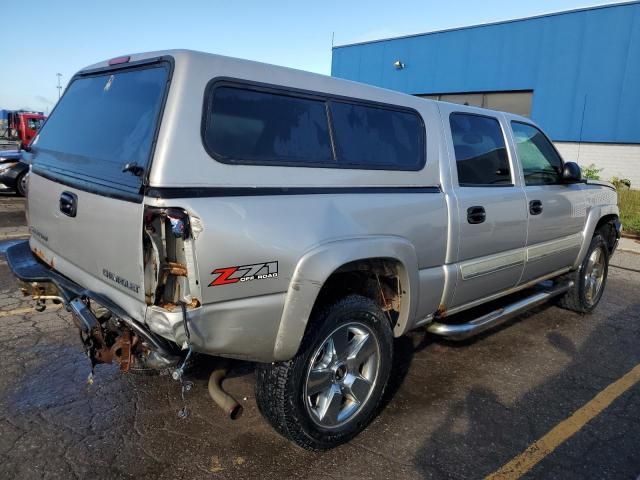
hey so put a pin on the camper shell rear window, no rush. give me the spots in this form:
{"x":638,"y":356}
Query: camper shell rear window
{"x":105,"y":121}
{"x":247,"y":123}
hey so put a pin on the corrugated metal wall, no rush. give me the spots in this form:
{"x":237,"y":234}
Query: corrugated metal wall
{"x":580,"y":65}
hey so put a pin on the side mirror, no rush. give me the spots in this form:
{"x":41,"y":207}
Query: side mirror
{"x":571,"y":173}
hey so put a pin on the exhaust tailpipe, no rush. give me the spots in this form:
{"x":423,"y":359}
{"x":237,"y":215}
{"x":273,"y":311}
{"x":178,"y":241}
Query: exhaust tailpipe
{"x":225,"y":401}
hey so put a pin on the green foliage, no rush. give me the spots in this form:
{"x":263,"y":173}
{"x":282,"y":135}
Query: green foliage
{"x":629,"y":203}
{"x":621,"y":183}
{"x":591,"y":172}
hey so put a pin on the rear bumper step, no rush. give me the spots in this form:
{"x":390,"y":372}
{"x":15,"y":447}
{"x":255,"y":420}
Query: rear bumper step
{"x":463,"y":331}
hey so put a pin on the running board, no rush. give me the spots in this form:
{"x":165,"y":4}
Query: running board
{"x":463,"y":331}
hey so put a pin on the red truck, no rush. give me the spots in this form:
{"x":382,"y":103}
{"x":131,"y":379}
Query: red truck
{"x":22,"y":126}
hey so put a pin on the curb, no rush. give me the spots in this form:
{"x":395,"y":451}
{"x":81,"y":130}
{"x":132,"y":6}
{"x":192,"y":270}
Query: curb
{"x":634,"y":252}
{"x":629,"y":245}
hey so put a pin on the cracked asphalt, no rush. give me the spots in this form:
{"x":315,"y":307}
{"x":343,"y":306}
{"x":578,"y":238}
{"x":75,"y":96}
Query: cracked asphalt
{"x":453,"y":410}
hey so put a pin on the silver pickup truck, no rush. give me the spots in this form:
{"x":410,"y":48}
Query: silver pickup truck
{"x":225,"y":207}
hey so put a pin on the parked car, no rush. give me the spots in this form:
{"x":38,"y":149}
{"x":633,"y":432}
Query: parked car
{"x":243,"y":210}
{"x":13,"y":172}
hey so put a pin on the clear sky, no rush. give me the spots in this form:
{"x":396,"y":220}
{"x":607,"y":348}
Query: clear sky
{"x":49,"y":37}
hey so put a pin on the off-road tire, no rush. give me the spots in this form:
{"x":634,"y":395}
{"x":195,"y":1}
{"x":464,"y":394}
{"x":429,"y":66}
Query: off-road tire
{"x":280,"y":385}
{"x":575,"y":299}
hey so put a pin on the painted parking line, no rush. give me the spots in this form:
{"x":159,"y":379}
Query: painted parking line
{"x":538,"y":450}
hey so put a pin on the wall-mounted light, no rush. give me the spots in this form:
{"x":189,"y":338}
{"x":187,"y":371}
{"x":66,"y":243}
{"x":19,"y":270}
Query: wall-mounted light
{"x":398,"y":65}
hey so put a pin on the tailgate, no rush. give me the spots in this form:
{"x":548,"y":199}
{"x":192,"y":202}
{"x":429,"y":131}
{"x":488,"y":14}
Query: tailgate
{"x":103,"y":239}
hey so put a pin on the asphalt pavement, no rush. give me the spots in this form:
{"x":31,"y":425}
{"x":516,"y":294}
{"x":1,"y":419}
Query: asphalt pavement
{"x":12,"y":217}
{"x":456,"y":411}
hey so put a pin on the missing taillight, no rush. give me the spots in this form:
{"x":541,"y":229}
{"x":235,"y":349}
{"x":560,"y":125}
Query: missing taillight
{"x":170,"y":276}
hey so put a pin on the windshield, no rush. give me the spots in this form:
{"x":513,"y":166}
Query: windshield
{"x":102,"y":123}
{"x":34,"y":123}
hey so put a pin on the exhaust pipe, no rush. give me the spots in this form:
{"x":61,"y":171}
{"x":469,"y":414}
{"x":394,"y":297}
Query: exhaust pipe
{"x":225,"y":401}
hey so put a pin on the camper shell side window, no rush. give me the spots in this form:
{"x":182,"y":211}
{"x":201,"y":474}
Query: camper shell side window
{"x":249,"y":123}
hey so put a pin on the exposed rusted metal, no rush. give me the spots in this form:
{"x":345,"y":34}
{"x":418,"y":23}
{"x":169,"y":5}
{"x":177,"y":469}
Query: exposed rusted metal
{"x":195,"y":303}
{"x":166,"y":260}
{"x":40,"y":254}
{"x":175,"y":269}
{"x":108,"y":340}
{"x":97,"y":348}
{"x":122,"y":349}
{"x":41,"y":291}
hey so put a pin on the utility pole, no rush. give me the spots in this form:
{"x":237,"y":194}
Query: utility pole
{"x":59,"y":87}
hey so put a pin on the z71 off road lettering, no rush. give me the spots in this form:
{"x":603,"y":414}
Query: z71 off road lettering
{"x":244,"y":273}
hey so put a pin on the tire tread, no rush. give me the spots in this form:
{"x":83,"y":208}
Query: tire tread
{"x":275,"y":401}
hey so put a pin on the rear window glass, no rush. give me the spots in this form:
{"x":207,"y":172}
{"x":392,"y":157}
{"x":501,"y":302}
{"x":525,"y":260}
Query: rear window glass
{"x":268,"y":128}
{"x":374,"y":137}
{"x":102,"y":123}
{"x":480,"y":151}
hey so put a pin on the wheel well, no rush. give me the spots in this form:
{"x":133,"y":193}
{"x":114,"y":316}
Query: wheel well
{"x":376,"y":278}
{"x":607,"y":229}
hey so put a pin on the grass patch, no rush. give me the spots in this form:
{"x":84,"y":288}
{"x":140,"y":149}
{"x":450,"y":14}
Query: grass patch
{"x":629,"y":203}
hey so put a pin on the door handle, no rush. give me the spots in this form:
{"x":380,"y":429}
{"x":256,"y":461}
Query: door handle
{"x":69,"y":204}
{"x":476,"y":215}
{"x":535,"y":207}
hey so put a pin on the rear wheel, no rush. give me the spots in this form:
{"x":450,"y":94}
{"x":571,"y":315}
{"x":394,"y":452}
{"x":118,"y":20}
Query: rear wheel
{"x":331,"y":389}
{"x":590,"y":279}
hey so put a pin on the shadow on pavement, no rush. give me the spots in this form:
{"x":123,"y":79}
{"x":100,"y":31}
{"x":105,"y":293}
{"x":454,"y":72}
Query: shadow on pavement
{"x":470,"y":441}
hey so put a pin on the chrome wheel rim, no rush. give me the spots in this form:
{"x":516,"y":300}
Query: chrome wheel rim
{"x":594,"y":275}
{"x":342,"y":375}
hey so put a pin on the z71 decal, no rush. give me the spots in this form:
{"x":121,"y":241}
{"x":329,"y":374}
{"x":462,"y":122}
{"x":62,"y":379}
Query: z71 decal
{"x":244,"y":273}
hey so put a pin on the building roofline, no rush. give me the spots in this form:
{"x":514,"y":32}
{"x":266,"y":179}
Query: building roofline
{"x":490,"y":24}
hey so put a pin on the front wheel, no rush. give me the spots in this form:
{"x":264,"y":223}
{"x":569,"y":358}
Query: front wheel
{"x":330,"y":391}
{"x":590,"y":279}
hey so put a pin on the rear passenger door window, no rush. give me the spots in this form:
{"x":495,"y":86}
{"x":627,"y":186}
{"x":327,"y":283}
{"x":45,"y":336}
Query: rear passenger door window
{"x":480,"y":151}
{"x":264,"y":127}
{"x":541,"y":163}
{"x":375,"y":137}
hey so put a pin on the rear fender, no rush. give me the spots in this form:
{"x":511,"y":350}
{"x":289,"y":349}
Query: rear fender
{"x":315,"y":267}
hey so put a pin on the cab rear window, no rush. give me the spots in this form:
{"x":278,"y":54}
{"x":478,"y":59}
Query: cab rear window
{"x":268,"y":126}
{"x":103,"y":123}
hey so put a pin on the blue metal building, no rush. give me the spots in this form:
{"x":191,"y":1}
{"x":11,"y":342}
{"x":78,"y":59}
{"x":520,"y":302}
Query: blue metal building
{"x":579,"y":70}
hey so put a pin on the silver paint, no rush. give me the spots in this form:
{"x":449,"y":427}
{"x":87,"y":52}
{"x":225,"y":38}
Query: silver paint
{"x":445,"y":264}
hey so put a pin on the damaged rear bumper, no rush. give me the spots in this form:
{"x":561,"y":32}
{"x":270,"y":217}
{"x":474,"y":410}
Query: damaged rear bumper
{"x":43,"y":283}
{"x":242,"y":328}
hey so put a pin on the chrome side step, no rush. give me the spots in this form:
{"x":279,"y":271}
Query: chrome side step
{"x":462,"y":331}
